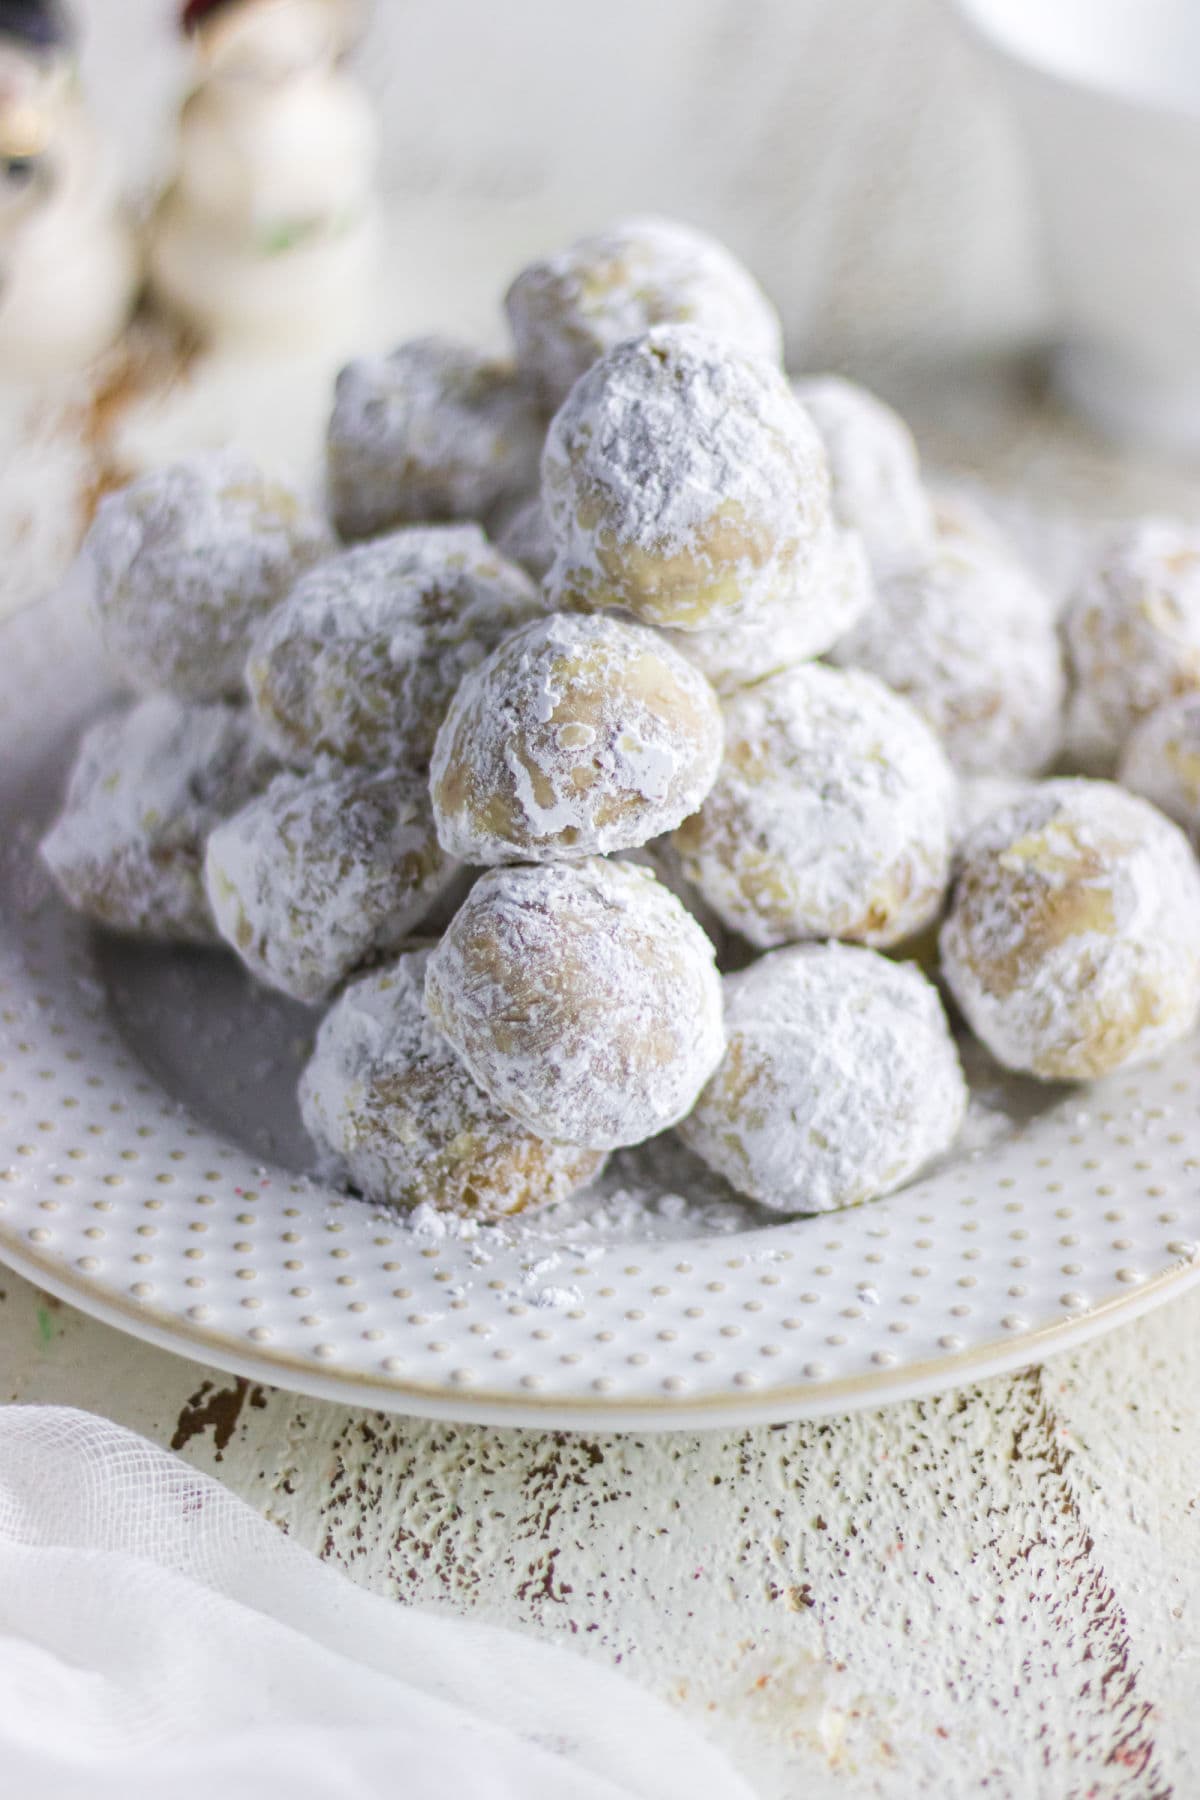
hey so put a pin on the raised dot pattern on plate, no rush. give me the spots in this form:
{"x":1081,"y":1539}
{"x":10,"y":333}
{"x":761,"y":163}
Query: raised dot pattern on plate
{"x":136,"y":1207}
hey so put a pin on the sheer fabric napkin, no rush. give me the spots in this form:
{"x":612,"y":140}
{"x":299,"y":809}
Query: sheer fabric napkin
{"x":158,"y":1637}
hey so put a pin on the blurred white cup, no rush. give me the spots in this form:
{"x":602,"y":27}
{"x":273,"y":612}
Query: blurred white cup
{"x":1108,"y":95}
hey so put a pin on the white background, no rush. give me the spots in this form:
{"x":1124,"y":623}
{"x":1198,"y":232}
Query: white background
{"x":854,"y":151}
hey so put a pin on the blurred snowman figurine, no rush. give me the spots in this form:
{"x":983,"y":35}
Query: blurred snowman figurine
{"x":266,"y":236}
{"x":69,"y":266}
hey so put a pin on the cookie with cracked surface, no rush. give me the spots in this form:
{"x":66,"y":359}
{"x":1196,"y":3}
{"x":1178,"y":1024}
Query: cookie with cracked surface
{"x":1072,"y":943}
{"x":684,"y":483}
{"x":576,"y":737}
{"x":387,"y":1100}
{"x":582,"y":997}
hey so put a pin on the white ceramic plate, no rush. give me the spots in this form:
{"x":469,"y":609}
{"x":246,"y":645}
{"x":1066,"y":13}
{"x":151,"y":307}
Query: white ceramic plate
{"x":152,"y":1171}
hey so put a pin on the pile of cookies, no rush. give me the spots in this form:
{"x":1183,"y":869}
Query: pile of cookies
{"x":615,"y":667}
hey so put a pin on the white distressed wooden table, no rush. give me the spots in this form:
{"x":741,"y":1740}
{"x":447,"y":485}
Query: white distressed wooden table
{"x":997,"y":1591}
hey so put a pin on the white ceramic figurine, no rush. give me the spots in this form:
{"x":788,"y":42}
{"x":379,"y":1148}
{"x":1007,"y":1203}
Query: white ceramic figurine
{"x":266,"y":235}
{"x":69,"y":267}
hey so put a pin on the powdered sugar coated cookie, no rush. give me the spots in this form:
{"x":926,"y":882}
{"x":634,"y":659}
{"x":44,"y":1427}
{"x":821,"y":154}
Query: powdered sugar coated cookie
{"x":831,"y":816}
{"x":147,"y":787}
{"x":839,"y":1082}
{"x":1072,"y":944}
{"x":324,"y":871}
{"x":363,"y":658}
{"x":568,"y":309}
{"x":186,"y":562}
{"x":433,"y":431}
{"x":1133,"y":627}
{"x":684,"y":482}
{"x":582,"y":997}
{"x":838,"y":591}
{"x":390,"y":1103}
{"x":873,"y":466}
{"x":577,"y":736}
{"x":1162,"y":760}
{"x":969,"y":638}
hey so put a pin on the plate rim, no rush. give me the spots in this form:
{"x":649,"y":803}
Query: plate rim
{"x":781,"y":1405}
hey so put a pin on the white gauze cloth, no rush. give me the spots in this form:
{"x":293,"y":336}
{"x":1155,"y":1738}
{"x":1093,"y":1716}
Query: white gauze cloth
{"x":158,"y":1637}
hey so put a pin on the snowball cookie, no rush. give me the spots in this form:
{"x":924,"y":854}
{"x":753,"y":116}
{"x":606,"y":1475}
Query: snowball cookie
{"x":322,"y":871}
{"x":567,"y":311}
{"x":840,"y":590}
{"x":582,"y":997}
{"x":839,"y":1082}
{"x":877,"y":489}
{"x":831,"y":816}
{"x":387,"y":1099}
{"x":577,"y":736}
{"x":435,"y":430}
{"x":1162,"y":760}
{"x":1133,"y":624}
{"x":147,"y":787}
{"x":1072,"y":944}
{"x":683,"y":481}
{"x":969,"y":638}
{"x":186,"y":560}
{"x":522,"y":533}
{"x":363,"y":657}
